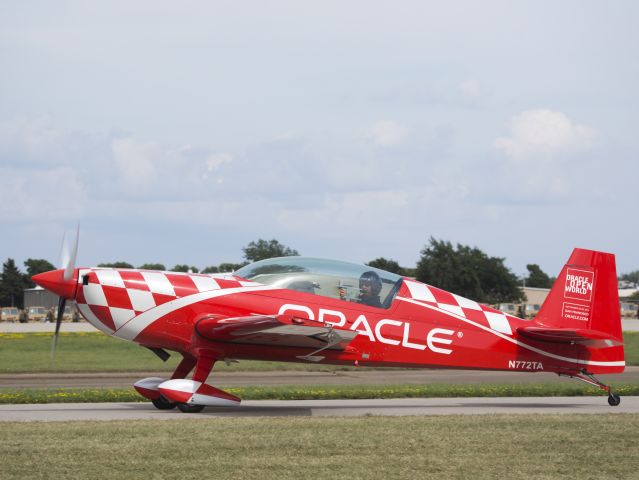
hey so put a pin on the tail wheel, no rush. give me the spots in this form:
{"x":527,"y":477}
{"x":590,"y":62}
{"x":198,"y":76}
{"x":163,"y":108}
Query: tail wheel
{"x":614,"y":399}
{"x":589,"y":378}
{"x":161,"y":403}
{"x":190,"y":408}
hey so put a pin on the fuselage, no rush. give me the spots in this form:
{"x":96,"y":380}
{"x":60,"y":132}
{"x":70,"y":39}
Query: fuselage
{"x":422,"y":326}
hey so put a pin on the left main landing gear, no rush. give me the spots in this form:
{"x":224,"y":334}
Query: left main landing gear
{"x":589,"y":378}
{"x":189,"y":396}
{"x":162,"y":403}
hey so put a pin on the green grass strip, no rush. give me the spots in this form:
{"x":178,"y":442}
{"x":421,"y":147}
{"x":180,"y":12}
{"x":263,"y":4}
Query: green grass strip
{"x":323,"y":392}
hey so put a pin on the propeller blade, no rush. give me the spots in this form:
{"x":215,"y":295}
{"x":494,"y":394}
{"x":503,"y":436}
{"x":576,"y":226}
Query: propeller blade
{"x":68,"y":256}
{"x":70,"y":263}
{"x":62,"y":303}
{"x":64,"y":252}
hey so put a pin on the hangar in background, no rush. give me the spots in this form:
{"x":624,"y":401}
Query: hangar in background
{"x":535,"y":298}
{"x":39,"y":297}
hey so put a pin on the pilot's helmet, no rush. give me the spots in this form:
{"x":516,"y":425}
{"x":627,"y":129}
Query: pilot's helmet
{"x":371,"y":278}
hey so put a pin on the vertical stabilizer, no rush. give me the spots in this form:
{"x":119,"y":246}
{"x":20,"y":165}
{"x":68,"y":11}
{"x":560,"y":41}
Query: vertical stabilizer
{"x":585,"y":295}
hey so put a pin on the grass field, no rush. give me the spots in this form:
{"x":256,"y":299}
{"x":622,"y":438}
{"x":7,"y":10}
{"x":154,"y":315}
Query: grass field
{"x":455,"y":447}
{"x":96,"y":352}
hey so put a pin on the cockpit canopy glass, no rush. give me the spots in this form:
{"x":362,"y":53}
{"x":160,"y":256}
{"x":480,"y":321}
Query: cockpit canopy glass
{"x":329,"y":278}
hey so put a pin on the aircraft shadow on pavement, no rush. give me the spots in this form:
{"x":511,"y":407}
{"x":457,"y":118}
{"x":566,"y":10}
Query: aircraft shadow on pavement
{"x":525,"y":405}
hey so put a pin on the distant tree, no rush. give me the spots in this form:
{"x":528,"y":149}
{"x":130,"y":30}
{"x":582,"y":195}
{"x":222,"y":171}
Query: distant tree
{"x":115,"y":265}
{"x":410,"y":272}
{"x":263,"y":249}
{"x":632,"y":277}
{"x":230,"y":267}
{"x":11,"y":285}
{"x":468,"y":272}
{"x":152,"y":266}
{"x":210,"y":269}
{"x":34,"y":267}
{"x":536,"y":277}
{"x":185,"y":269}
{"x":388,"y":265}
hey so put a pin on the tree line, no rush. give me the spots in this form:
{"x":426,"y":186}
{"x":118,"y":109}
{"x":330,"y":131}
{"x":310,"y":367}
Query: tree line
{"x":464,"y":270}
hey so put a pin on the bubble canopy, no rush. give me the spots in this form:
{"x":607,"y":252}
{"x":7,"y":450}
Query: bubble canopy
{"x":328,"y":278}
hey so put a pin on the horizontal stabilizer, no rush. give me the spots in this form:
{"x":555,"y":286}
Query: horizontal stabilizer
{"x":591,"y":338}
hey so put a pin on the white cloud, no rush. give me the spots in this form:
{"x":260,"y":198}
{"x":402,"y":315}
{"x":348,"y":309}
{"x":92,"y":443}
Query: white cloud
{"x":110,"y":165}
{"x":544,"y":134}
{"x":380,"y":212}
{"x":209,"y":213}
{"x":544,"y":155}
{"x":352,"y":211}
{"x":470,"y":89}
{"x":215,"y":161}
{"x":135,"y":163}
{"x":387,"y":133}
{"x":43,"y":195}
{"x":39,"y":141}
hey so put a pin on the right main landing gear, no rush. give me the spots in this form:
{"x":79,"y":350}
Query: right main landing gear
{"x":189,"y":408}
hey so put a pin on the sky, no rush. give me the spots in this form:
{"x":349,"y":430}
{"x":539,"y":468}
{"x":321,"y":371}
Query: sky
{"x":178,"y":132}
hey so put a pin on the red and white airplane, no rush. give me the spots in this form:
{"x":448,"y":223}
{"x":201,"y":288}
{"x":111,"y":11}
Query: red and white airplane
{"x":311,"y":310}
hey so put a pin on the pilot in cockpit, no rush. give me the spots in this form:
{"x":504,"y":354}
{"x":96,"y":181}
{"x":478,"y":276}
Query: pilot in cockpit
{"x":370,"y":285}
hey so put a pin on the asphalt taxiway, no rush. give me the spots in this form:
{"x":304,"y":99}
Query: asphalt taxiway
{"x":322,"y":408}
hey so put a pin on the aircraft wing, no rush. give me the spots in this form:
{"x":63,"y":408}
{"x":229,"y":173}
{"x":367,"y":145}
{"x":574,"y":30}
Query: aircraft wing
{"x":276,"y":330}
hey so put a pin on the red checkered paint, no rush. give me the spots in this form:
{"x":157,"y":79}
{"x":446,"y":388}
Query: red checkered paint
{"x":463,"y":307}
{"x":113,"y":297}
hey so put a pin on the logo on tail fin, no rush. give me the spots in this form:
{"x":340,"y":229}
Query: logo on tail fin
{"x":579,"y":284}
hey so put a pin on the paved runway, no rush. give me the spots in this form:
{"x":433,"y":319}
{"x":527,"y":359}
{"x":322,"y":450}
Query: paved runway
{"x":321,"y":408}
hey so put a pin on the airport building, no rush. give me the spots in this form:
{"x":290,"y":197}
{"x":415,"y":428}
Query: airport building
{"x":42,"y":305}
{"x":39,"y":297}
